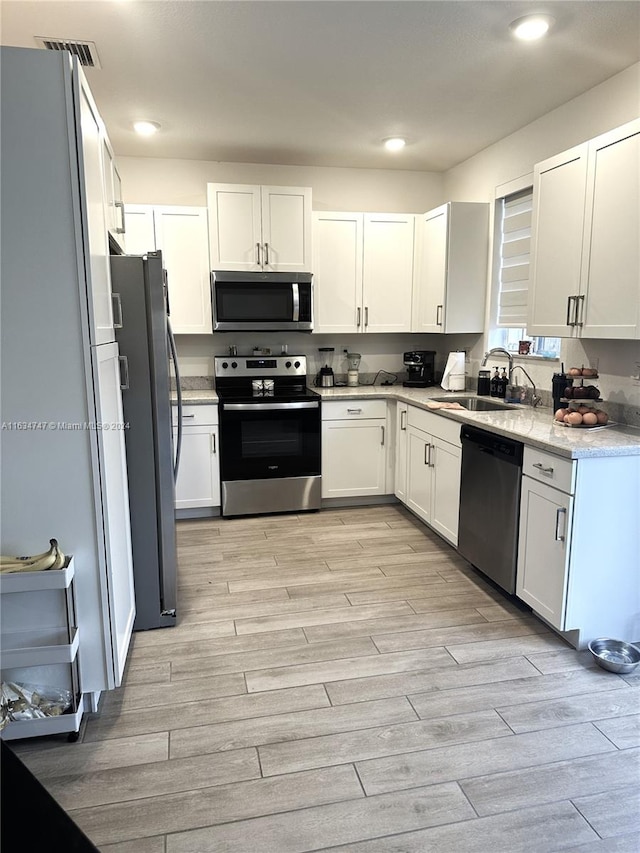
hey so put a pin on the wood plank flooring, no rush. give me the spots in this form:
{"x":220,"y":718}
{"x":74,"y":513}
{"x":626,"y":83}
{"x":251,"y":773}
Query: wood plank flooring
{"x":344,"y":681}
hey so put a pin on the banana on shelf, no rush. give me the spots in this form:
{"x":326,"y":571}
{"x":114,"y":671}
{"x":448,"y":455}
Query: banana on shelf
{"x":52,"y":558}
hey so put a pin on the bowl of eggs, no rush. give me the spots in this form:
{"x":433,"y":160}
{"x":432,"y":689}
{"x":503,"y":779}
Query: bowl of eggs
{"x":581,"y":416}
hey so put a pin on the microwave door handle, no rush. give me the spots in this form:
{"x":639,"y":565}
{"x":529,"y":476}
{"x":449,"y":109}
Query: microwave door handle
{"x":296,"y":302}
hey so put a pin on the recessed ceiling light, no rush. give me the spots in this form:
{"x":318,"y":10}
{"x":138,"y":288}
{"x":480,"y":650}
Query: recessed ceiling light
{"x":394,"y":143}
{"x":146,"y":128}
{"x":531,"y":27}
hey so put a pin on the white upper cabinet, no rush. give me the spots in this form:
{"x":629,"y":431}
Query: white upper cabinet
{"x":113,"y":195}
{"x":337,"y":271}
{"x":585,"y":274}
{"x":363,"y":270}
{"x":387,"y":274}
{"x":92,"y":174}
{"x":254,"y":228}
{"x":610,"y":272}
{"x":450,"y":283}
{"x":181,"y":234}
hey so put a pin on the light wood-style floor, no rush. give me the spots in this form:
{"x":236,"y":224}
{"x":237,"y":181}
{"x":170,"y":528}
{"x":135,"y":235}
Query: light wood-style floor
{"x":343,"y":681}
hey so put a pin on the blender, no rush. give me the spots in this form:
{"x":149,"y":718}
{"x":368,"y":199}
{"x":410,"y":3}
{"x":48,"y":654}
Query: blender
{"x":353,"y":360}
{"x":325,"y":375}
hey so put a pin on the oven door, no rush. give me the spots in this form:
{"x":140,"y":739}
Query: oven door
{"x":268,"y":439}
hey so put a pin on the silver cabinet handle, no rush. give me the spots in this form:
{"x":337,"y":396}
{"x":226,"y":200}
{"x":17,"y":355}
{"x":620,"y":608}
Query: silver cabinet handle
{"x":575,"y":309}
{"x":559,"y":512}
{"x":542,"y":468}
{"x":117,"y":303}
{"x":430,"y":463}
{"x":439,"y":315}
{"x":427,"y":454}
{"x":266,"y":254}
{"x":258,"y":254}
{"x":382,"y":439}
{"x":188,"y":416}
{"x":295,"y":290}
{"x":124,"y":365}
{"x":119,"y":205}
{"x":354,"y":411}
{"x":213,"y":443}
{"x":403,"y":419}
{"x":579,"y":318}
{"x":358,"y":320}
{"x":366,"y":316}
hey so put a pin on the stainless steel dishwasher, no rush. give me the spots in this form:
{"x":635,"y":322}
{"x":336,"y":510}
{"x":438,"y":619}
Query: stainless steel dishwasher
{"x":490,"y":504}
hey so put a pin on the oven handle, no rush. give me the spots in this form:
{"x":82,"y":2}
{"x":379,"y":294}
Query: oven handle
{"x":266,"y":407}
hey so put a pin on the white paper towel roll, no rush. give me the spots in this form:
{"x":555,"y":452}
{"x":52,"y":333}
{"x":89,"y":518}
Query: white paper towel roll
{"x":453,"y":378}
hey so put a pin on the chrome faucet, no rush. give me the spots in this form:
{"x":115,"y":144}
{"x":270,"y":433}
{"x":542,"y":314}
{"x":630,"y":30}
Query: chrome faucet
{"x":504,"y":352}
{"x":535,"y":399}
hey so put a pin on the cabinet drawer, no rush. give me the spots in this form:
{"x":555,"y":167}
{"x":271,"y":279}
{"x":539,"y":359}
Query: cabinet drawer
{"x":197,"y":415}
{"x":338,"y":410}
{"x":435,"y":425}
{"x":549,"y":468}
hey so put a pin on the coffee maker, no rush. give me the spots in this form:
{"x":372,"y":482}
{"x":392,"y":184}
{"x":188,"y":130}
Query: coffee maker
{"x":419,"y":365}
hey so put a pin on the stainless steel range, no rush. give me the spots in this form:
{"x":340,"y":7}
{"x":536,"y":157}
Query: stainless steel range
{"x":270,"y":435}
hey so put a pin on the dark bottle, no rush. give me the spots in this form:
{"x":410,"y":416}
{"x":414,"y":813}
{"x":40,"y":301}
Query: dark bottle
{"x":502,"y":384}
{"x":484,"y":383}
{"x":495,"y":383}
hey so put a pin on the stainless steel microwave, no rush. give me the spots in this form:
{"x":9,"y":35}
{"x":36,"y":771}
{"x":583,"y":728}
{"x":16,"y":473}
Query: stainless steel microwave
{"x":262,"y":301}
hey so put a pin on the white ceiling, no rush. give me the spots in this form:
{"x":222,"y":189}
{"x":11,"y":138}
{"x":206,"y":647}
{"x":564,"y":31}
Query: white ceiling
{"x":321,"y":82}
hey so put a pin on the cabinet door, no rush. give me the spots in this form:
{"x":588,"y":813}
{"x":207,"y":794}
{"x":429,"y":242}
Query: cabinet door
{"x":141,"y":236}
{"x":419,"y":446}
{"x":559,"y":189}
{"x":431,"y":271}
{"x":235,"y":233}
{"x":114,"y":493}
{"x":286,"y":229}
{"x":113,"y":194}
{"x":337,"y":272}
{"x":91,"y":155}
{"x":446,"y":463}
{"x":543,"y":551}
{"x":353,"y":458}
{"x":400,"y":489}
{"x":198,"y":483}
{"x":181,"y":235}
{"x":611,"y":255}
{"x":387,"y":272}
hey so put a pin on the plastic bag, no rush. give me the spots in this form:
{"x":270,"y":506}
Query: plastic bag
{"x":31,"y":702}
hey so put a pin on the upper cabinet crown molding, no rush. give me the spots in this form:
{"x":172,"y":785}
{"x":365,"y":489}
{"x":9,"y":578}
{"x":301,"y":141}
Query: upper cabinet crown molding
{"x":450,"y":283}
{"x":585,"y":271}
{"x":259,"y":228}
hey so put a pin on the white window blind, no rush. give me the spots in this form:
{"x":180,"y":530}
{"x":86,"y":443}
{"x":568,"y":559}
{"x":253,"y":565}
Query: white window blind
{"x":515,"y":248}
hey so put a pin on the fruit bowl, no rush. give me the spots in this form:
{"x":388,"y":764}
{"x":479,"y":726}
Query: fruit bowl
{"x":615,"y":655}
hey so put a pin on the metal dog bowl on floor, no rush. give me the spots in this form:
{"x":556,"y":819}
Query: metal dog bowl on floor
{"x":615,"y":655}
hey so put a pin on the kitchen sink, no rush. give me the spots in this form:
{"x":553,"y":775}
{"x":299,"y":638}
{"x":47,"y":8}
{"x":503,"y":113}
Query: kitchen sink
{"x":475,"y":404}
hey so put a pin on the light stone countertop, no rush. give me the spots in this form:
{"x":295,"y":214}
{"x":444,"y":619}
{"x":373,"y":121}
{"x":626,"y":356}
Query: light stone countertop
{"x":534,"y":427}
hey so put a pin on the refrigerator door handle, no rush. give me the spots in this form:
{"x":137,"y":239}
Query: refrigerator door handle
{"x":174,"y":356}
{"x":117,"y":301}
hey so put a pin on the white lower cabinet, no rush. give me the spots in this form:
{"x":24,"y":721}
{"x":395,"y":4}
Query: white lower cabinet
{"x":573,"y":569}
{"x":198,"y":483}
{"x":354,"y":448}
{"x":433,"y":463}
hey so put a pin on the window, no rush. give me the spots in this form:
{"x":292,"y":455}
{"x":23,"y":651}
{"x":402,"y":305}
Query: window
{"x":513,"y":244}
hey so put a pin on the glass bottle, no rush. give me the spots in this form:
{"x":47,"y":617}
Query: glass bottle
{"x":495,"y":383}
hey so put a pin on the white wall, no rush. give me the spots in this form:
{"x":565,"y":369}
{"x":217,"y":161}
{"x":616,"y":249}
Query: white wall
{"x":612,"y":103}
{"x":156,"y":181}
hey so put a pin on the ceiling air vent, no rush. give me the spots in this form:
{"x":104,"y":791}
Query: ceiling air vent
{"x":85,"y":50}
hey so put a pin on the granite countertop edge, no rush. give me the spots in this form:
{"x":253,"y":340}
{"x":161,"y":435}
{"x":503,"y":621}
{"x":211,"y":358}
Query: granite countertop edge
{"x":534,"y":427}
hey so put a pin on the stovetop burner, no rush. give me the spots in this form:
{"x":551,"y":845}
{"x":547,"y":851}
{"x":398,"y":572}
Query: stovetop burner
{"x":246,"y":379}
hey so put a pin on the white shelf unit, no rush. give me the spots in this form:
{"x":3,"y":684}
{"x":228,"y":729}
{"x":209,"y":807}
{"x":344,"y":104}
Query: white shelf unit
{"x":52,"y":595}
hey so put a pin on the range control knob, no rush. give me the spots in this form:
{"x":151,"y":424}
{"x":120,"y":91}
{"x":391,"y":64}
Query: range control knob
{"x":296,"y":364}
{"x":234,"y":364}
{"x":225,"y":365}
{"x":287,"y":364}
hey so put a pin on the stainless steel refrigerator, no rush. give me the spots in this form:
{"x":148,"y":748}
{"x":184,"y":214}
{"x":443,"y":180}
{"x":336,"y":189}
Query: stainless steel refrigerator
{"x":146,"y":342}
